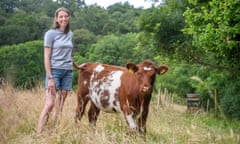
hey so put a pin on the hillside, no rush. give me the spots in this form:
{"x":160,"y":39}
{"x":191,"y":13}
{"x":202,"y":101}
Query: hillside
{"x":167,"y":124}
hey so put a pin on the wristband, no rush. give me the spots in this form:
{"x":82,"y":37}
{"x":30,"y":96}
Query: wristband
{"x":50,"y":77}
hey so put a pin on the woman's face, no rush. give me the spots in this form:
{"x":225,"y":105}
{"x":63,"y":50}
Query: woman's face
{"x":62,"y":19}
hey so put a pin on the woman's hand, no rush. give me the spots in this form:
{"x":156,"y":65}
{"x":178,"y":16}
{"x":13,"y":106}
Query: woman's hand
{"x":51,"y":86}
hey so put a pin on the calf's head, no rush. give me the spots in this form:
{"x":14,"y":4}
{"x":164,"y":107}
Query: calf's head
{"x":146,"y":73}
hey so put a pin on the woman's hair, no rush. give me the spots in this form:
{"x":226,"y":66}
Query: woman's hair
{"x":56,"y":24}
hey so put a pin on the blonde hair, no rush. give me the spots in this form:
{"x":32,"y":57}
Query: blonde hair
{"x":56,"y":24}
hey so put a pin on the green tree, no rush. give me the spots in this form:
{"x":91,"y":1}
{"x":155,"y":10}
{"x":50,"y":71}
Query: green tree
{"x":124,"y":16}
{"x":83,"y":38}
{"x":106,"y":50}
{"x":128,"y":44}
{"x":72,"y":5}
{"x":8,"y":6}
{"x":161,"y":29}
{"x":18,"y":33}
{"x":22,"y":27}
{"x":115,"y":50}
{"x":215,"y":31}
{"x":92,"y":18}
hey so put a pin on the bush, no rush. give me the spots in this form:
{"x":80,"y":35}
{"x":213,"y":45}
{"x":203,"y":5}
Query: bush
{"x":22,"y":65}
{"x":230,"y":102}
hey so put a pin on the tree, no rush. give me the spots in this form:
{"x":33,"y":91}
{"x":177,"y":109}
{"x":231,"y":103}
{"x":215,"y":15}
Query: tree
{"x":72,"y":5}
{"x":22,"y":27}
{"x":8,"y":6}
{"x":18,"y":33}
{"x":161,"y":29}
{"x":115,"y":50}
{"x":92,"y":18}
{"x":106,"y":50}
{"x":83,"y":38}
{"x":215,"y":30}
{"x":124,"y":16}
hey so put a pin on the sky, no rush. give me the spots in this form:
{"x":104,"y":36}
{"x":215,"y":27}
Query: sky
{"x":106,"y":3}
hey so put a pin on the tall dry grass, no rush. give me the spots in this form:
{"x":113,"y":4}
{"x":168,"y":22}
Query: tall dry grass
{"x":167,"y":124}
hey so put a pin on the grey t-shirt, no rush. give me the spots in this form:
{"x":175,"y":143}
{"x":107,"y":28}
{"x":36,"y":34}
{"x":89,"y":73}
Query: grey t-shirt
{"x":62,"y":46}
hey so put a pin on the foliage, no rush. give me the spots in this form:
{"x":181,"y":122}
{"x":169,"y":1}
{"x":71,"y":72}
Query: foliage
{"x":115,"y":50}
{"x":83,"y":38}
{"x":22,"y":65}
{"x":124,"y":18}
{"x":215,"y":30}
{"x":8,"y":6}
{"x":177,"y":79}
{"x":231,"y":98}
{"x":210,"y":40}
{"x":92,"y":18}
{"x":22,"y":27}
{"x":162,"y":26}
{"x":30,"y":19}
{"x":15,"y":38}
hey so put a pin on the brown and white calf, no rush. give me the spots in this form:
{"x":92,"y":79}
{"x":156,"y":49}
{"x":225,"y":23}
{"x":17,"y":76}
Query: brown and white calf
{"x":117,"y":89}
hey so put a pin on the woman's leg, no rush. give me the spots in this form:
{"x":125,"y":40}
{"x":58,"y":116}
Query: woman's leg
{"x":61,"y":96}
{"x":50,"y":97}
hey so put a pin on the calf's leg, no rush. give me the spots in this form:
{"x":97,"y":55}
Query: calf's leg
{"x":93,"y":115}
{"x":81,"y":105}
{"x":144,"y":114}
{"x":129,"y":116}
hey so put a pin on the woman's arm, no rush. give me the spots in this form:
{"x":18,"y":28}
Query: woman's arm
{"x":47,"y":63}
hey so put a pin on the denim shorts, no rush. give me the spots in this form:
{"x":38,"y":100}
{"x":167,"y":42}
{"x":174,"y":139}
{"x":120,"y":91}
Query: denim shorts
{"x":63,"y":79}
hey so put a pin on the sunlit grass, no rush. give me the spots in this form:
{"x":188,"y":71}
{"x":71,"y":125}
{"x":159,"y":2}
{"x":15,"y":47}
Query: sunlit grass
{"x":167,"y":124}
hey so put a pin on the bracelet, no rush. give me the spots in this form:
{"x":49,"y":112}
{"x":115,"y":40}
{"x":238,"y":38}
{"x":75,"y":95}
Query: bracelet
{"x":50,"y":77}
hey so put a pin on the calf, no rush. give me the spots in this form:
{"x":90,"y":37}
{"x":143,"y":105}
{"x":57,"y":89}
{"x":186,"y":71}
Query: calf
{"x":117,"y":89}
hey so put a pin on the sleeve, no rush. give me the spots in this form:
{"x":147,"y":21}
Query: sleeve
{"x":48,"y":39}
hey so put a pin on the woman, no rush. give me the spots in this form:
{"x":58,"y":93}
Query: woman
{"x":58,"y":48}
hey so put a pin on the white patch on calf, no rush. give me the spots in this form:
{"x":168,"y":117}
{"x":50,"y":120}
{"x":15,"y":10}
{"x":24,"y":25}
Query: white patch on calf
{"x":110,"y":84}
{"x":85,"y":82}
{"x":131,"y":122}
{"x":147,"y":68}
{"x":99,"y":68}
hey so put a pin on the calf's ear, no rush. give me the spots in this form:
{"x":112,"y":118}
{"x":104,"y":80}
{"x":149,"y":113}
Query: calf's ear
{"x":131,"y":67}
{"x":162,"y":69}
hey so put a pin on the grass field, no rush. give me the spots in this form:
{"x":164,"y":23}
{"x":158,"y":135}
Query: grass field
{"x":167,"y":124}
